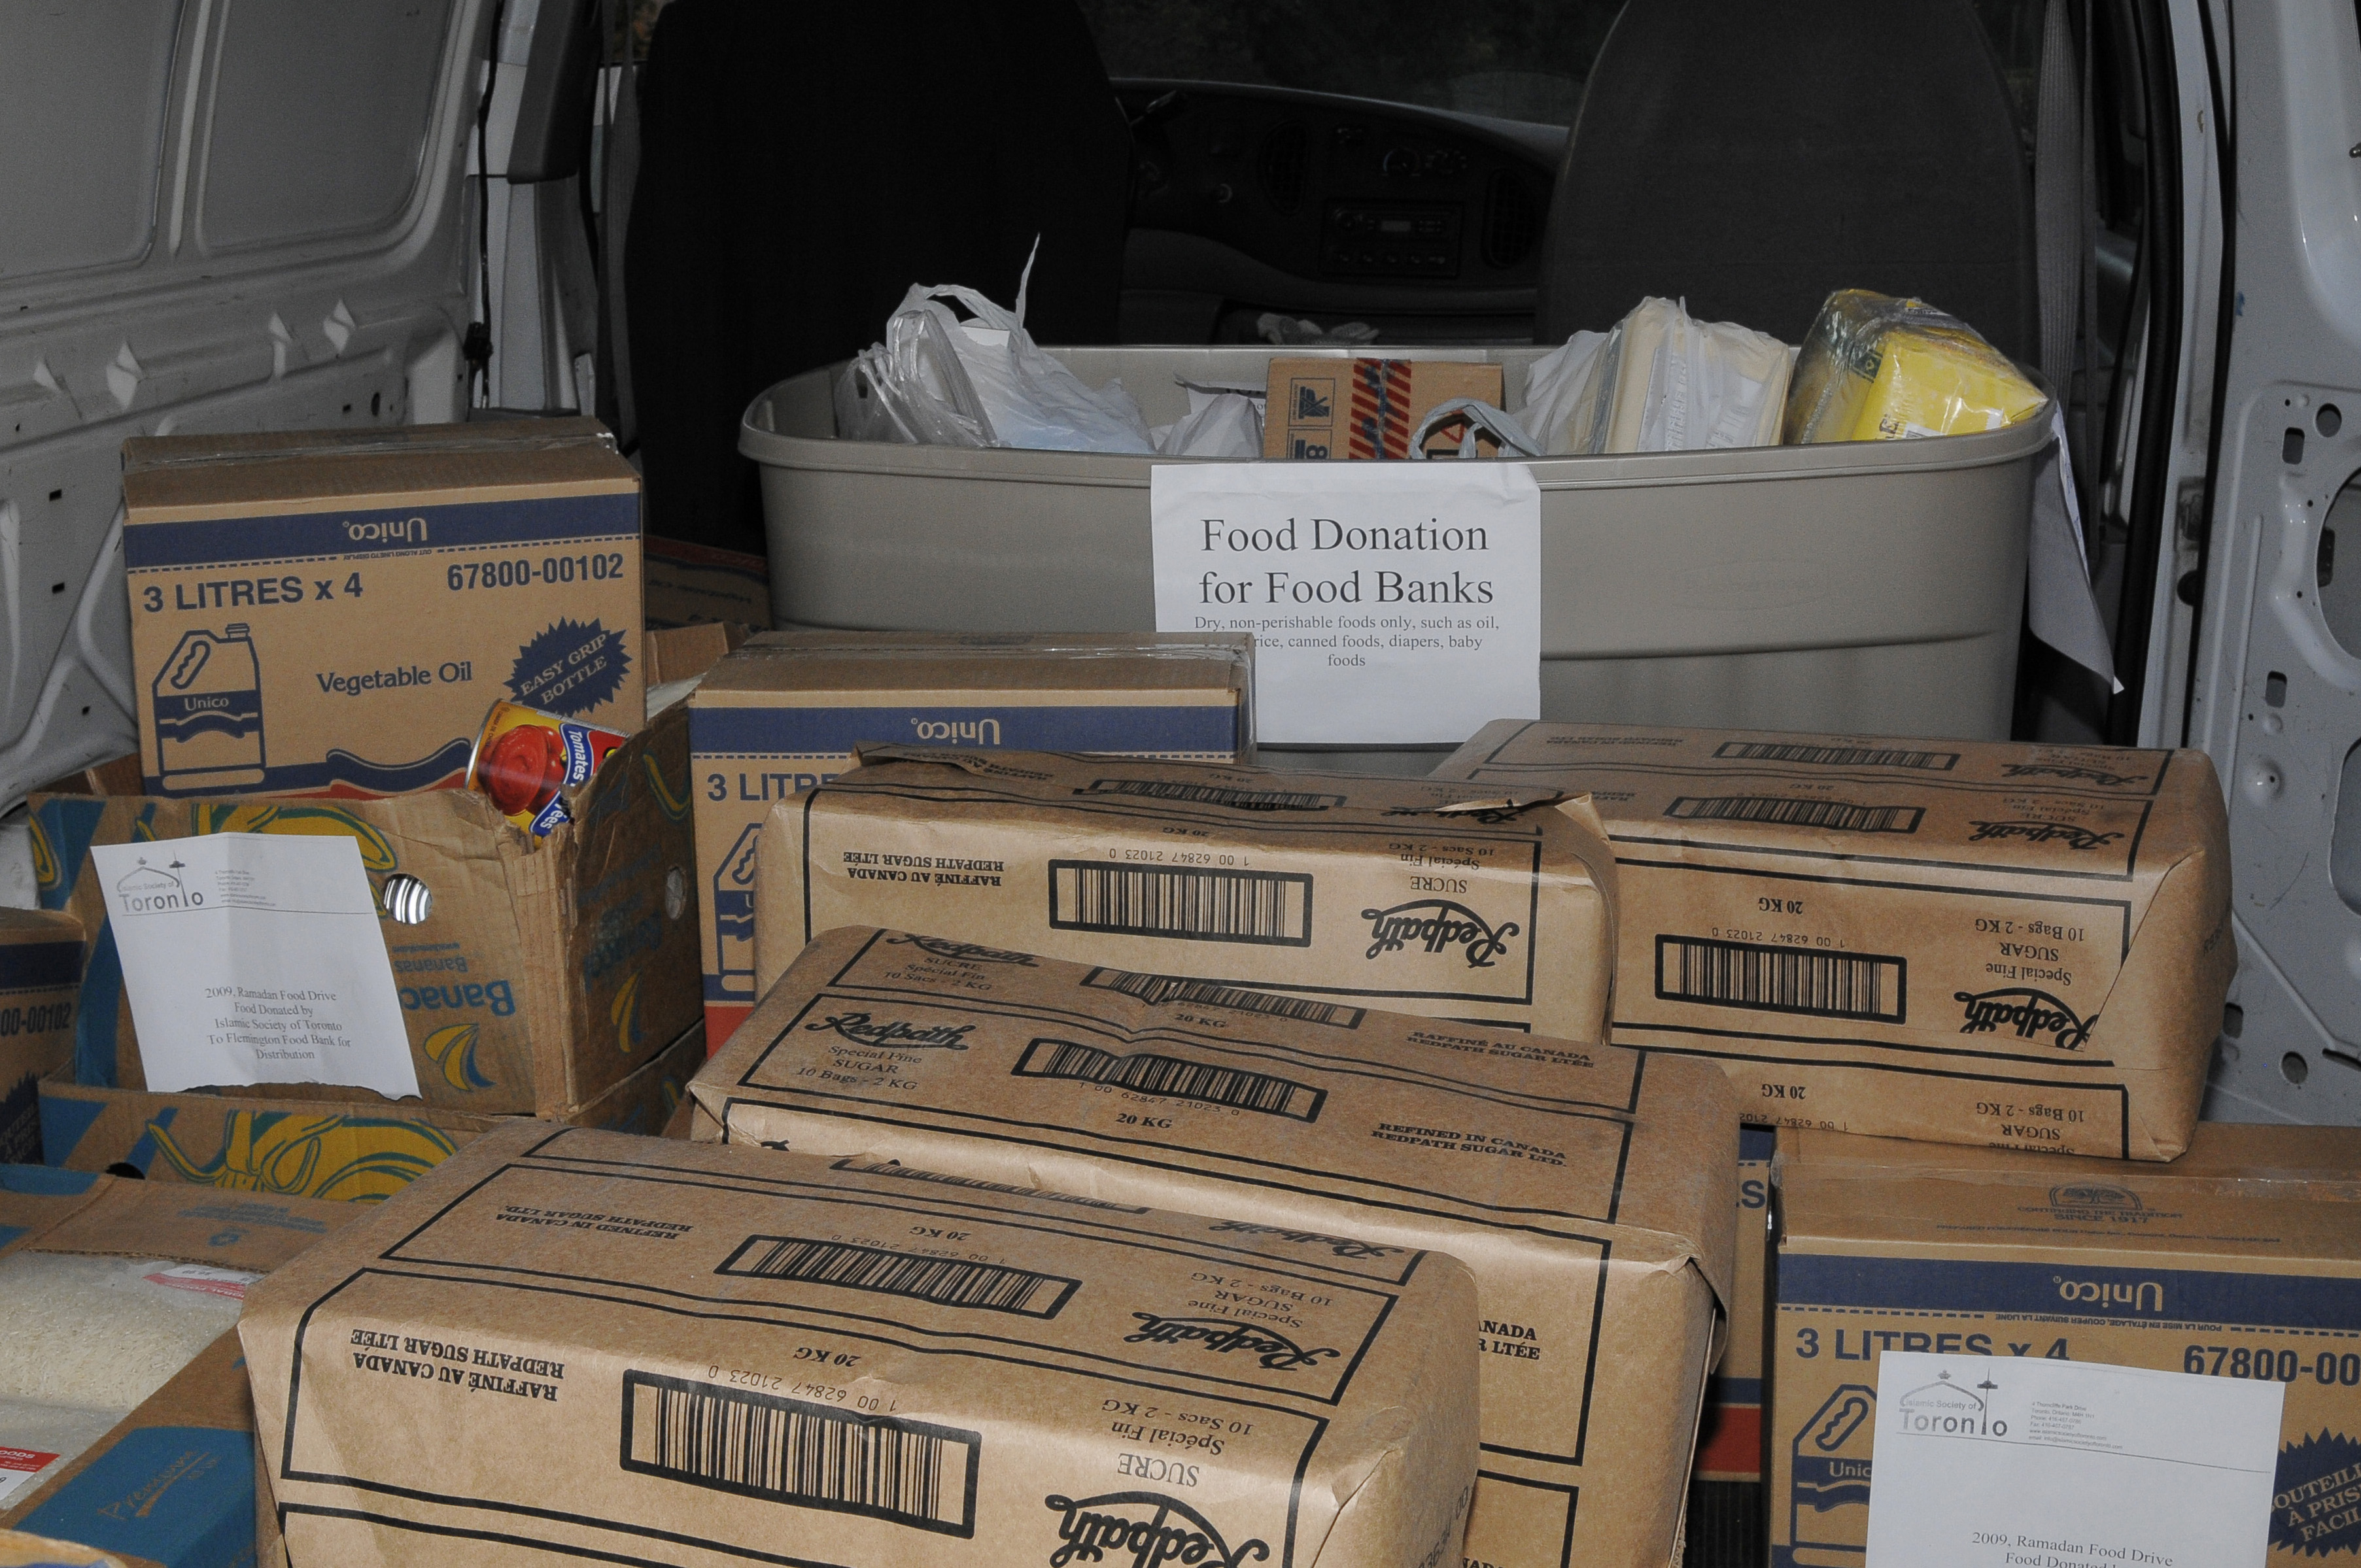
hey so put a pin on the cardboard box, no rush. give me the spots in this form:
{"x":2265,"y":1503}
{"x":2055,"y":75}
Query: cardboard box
{"x":1976,"y":942}
{"x":650,"y":1100}
{"x":688,"y":584}
{"x":1366,"y":408}
{"x":2240,"y":1260}
{"x":686,"y":652}
{"x":643,"y":1351}
{"x":314,"y":1141}
{"x":1730,"y":1447}
{"x":1592,"y":1198}
{"x":334,"y":612}
{"x":1422,"y":897}
{"x":170,"y":1485}
{"x":40,"y":972}
{"x":785,"y":713}
{"x":544,"y":971}
{"x":19,"y":1549}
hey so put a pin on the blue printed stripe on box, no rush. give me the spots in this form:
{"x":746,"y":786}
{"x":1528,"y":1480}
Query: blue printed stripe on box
{"x":39,"y":965}
{"x":2069,"y":1289}
{"x":541,"y":521}
{"x":834,"y":731}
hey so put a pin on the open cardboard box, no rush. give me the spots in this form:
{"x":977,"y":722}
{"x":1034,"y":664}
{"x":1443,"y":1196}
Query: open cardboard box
{"x":544,"y":972}
{"x":315,"y":1140}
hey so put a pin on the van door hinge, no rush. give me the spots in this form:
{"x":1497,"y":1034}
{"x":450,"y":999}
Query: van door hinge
{"x":2189,"y":513}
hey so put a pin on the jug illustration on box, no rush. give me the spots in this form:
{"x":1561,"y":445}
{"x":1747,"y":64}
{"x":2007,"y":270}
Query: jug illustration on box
{"x":209,"y":711}
{"x":733,"y":916}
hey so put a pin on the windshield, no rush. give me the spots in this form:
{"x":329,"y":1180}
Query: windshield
{"x":1513,"y":60}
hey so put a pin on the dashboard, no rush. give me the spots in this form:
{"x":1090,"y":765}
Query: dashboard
{"x":1425,"y":223}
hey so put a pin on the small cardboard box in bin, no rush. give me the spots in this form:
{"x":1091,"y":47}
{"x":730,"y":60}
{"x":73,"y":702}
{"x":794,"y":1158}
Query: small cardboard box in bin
{"x":334,"y":611}
{"x":1365,"y":407}
{"x":534,"y":975}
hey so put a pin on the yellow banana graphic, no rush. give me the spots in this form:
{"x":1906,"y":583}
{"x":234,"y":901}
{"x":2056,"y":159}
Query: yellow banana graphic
{"x":288,"y":816}
{"x":453,"y":1048}
{"x":673,"y":803}
{"x":292,"y":1154}
{"x":45,"y":860}
{"x":625,"y":1011}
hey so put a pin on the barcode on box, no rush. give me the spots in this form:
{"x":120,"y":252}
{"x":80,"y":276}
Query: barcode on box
{"x":803,"y":1454}
{"x":1866,"y":986}
{"x":945,"y":1281}
{"x":1837,"y":756}
{"x":1215,"y":795}
{"x":1147,"y":1073}
{"x":1842,"y":816}
{"x":1200,"y":903}
{"x":1158,"y":989}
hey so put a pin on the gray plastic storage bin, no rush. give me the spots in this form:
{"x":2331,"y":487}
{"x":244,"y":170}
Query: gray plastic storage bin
{"x":1872,"y":586}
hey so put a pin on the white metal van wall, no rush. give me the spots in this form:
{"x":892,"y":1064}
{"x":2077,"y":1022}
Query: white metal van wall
{"x":220,"y":214}
{"x":2276,"y":694}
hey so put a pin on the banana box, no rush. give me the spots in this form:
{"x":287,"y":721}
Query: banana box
{"x":342,"y":1145}
{"x":2240,"y":1259}
{"x":536,"y":975}
{"x":332,"y":612}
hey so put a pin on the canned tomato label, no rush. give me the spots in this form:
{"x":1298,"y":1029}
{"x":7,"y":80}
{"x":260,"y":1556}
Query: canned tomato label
{"x":524,"y":760}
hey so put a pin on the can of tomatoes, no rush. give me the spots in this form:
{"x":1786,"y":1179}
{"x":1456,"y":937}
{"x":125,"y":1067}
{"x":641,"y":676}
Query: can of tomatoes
{"x":525,"y":759}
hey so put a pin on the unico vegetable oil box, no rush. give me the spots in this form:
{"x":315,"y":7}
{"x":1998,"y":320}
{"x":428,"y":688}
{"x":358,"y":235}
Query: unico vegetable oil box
{"x":784,"y":712}
{"x":2240,"y":1259}
{"x":332,"y":612}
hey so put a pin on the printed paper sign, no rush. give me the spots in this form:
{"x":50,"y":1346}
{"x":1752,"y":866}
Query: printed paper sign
{"x":1391,"y":603}
{"x":254,"y":957}
{"x":1996,"y":1462}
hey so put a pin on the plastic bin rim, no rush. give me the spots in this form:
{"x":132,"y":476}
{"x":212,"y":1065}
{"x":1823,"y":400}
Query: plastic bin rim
{"x":1978,"y":449}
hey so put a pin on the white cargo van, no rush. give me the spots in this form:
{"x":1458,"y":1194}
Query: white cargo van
{"x":222,"y":214}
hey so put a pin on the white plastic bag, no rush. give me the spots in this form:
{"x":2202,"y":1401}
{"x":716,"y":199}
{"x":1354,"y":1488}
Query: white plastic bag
{"x":1477,"y":418}
{"x":1661,"y":382}
{"x":1559,"y":385}
{"x":1221,"y":423}
{"x":939,"y":380}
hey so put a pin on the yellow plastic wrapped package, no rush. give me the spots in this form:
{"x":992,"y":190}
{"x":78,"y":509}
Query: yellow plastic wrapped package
{"x":1877,"y":369}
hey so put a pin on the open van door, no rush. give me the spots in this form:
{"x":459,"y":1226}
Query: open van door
{"x":222,"y":214}
{"x":2274,"y":694}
